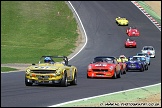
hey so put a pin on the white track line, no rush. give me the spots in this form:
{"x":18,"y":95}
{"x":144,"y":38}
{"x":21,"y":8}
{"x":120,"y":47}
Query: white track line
{"x":83,"y":31}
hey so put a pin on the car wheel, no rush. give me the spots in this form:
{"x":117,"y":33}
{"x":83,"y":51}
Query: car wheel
{"x":146,"y":68}
{"x":74,"y":82}
{"x":119,"y":75}
{"x":88,"y":76}
{"x":142,"y":69}
{"x":124,"y":71}
{"x":64,"y":81}
{"x":28,"y":83}
{"x":114,"y":76}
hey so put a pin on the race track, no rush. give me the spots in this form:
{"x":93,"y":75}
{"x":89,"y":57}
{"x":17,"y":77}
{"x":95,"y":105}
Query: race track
{"x":104,"y":38}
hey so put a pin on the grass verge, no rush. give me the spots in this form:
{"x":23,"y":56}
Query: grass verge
{"x":30,"y":29}
{"x":150,"y":11}
{"x":6,"y":69}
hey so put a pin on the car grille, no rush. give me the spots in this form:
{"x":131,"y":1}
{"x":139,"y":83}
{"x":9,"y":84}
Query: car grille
{"x":100,"y":70}
{"x":132,"y":65}
{"x":42,"y":77}
{"x":43,"y":71}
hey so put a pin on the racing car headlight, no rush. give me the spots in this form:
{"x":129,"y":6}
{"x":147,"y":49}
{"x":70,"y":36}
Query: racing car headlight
{"x":58,"y":72}
{"x":28,"y":70}
{"x":111,"y":68}
{"x":89,"y":67}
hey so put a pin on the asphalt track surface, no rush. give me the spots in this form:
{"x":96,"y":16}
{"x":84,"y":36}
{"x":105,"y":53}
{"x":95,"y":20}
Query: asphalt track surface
{"x":104,"y":38}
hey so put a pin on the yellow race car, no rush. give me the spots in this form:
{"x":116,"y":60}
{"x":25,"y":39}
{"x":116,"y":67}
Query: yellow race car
{"x":122,"y":21}
{"x":122,"y":58}
{"x":48,"y":71}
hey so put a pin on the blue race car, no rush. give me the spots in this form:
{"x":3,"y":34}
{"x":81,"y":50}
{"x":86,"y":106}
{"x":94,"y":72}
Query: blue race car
{"x":146,"y":55}
{"x":137,"y":63}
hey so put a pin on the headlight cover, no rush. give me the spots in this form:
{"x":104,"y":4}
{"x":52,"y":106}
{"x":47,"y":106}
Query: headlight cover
{"x":89,"y":67}
{"x":28,"y":70}
{"x":58,"y":72}
{"x":111,"y":68}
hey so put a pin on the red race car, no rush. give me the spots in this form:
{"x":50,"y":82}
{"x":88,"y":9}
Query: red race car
{"x":129,"y":43}
{"x":104,"y":67}
{"x":132,"y":31}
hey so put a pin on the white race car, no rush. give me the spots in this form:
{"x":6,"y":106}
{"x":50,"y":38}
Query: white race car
{"x":149,"y":50}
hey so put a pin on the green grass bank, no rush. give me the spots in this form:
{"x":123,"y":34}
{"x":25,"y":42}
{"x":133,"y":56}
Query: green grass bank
{"x":30,"y":29}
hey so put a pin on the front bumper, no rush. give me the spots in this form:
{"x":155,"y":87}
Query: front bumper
{"x":130,"y":34}
{"x":130,"y":45}
{"x":123,"y":23}
{"x":43,"y":81}
{"x":137,"y":67}
{"x":100,"y":75}
{"x":46,"y":79}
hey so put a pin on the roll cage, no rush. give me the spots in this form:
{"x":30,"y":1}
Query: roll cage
{"x":64,"y":58}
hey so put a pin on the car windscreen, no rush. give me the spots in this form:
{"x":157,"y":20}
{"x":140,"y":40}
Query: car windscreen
{"x":148,"y":48}
{"x":136,"y":58}
{"x":140,"y":54}
{"x":100,"y":59}
{"x":142,"y":59}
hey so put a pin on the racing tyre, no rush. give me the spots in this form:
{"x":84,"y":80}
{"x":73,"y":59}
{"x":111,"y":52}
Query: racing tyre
{"x":116,"y":22}
{"x":124,"y":72}
{"x":114,"y":76}
{"x":64,"y":81}
{"x":119,"y":75}
{"x":28,"y":83}
{"x":142,"y":69}
{"x":74,"y":82}
{"x":88,"y":76}
{"x":146,"y":68}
